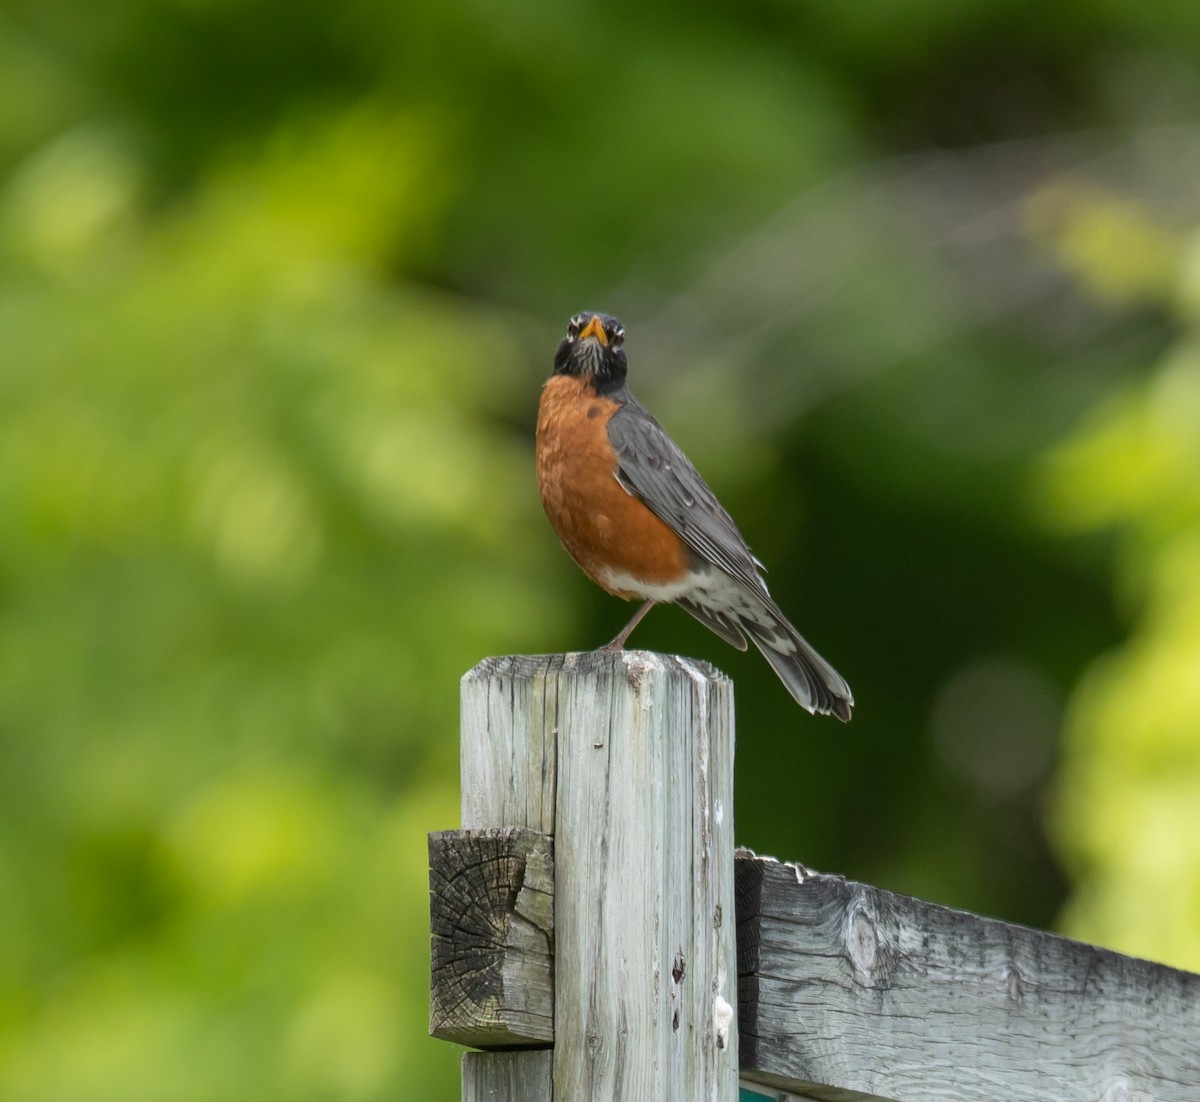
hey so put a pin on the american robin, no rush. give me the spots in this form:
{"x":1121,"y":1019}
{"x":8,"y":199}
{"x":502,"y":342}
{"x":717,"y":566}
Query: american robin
{"x":634,"y":513}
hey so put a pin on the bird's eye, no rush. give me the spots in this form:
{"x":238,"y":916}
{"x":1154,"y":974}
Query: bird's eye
{"x":616,"y":336}
{"x":576,"y":324}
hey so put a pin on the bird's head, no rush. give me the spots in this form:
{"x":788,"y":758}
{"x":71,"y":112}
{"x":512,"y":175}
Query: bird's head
{"x":594,"y":350}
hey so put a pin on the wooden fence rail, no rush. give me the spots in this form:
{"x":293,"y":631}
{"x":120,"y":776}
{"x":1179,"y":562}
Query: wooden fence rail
{"x":585,"y":936}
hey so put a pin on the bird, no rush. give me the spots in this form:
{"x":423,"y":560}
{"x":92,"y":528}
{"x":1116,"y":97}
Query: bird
{"x":633,"y":512}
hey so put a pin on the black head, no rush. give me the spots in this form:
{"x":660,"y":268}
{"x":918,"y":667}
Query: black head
{"x":594,"y":349}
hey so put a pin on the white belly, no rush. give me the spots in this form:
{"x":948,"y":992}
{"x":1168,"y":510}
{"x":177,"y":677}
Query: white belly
{"x":664,"y":594}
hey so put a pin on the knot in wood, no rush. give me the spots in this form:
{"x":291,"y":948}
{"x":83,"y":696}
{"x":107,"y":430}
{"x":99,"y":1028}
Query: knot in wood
{"x":679,"y":968}
{"x":1118,"y":1090}
{"x":862,"y":941}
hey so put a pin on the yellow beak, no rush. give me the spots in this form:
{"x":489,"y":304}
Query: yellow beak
{"x":595,"y":329}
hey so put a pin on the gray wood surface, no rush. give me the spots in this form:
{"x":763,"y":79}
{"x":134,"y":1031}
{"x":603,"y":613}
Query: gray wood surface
{"x":851,"y":992}
{"x":627,"y":759}
{"x":492,"y":932}
{"x":522,"y":1076}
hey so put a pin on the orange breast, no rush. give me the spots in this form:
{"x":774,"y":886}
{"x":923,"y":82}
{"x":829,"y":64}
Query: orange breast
{"x":604,"y":529}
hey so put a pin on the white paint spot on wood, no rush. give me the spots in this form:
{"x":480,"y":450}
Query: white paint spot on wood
{"x":722,"y":1019}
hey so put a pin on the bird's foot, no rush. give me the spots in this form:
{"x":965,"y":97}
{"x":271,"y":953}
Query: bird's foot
{"x":619,"y":642}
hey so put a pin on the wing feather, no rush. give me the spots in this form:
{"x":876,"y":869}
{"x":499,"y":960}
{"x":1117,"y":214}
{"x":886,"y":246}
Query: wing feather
{"x":651,"y":466}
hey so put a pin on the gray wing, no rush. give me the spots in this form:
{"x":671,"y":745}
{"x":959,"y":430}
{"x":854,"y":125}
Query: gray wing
{"x":650,"y":465}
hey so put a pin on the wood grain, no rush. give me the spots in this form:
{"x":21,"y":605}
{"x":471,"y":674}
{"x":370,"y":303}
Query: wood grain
{"x":627,"y":759}
{"x":522,"y":1076}
{"x":492,"y":933}
{"x":850,"y":992}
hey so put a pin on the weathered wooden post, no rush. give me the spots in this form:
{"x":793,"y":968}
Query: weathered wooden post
{"x":588,"y":901}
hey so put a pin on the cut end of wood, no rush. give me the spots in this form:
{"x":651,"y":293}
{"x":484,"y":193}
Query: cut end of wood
{"x":636,"y":664}
{"x":492,"y":932}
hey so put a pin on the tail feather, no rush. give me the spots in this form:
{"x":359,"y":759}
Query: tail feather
{"x":726,"y":626}
{"x":812,"y":681}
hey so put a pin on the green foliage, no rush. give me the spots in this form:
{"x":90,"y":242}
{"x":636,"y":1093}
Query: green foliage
{"x":247,"y":493}
{"x":278,"y":284}
{"x":1129,"y":816}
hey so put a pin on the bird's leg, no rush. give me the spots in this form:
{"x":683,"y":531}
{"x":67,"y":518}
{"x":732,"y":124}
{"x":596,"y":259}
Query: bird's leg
{"x":619,"y":642}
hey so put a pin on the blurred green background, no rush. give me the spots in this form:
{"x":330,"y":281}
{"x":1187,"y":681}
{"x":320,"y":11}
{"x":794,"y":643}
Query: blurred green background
{"x":917,"y":287}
